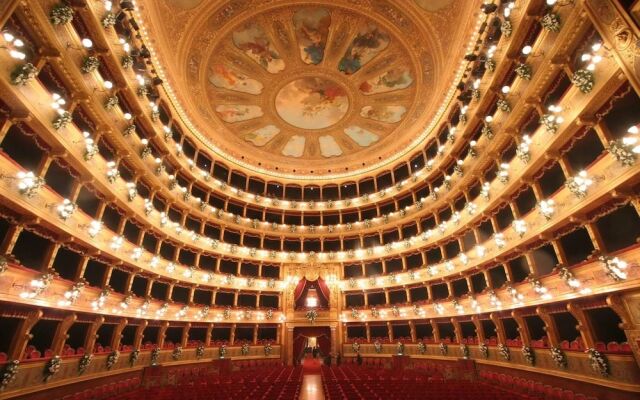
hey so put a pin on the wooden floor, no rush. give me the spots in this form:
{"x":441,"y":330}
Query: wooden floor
{"x":311,"y":388}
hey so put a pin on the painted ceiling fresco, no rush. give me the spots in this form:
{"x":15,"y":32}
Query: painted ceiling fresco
{"x":320,"y":100}
{"x":297,"y":88}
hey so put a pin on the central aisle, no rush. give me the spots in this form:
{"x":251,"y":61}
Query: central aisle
{"x":311,"y":380}
{"x":311,"y":388}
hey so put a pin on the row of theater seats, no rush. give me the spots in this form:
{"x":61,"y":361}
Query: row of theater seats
{"x":267,"y":382}
{"x":530,"y":388}
{"x":259,"y":363}
{"x":352,"y":383}
{"x":108,"y":390}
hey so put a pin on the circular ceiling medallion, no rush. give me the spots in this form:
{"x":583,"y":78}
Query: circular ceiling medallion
{"x":312,"y":103}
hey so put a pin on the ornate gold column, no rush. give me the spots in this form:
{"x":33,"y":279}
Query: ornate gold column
{"x":255,"y":334}
{"x":185,"y":335}
{"x":550,"y":326}
{"x":207,"y":336}
{"x":92,"y":334}
{"x":117,"y":334}
{"x":436,"y":332}
{"x":60,"y":336}
{"x":479,"y":331}
{"x":23,"y":335}
{"x":522,"y":327}
{"x":161,"y":334}
{"x":457,"y":330}
{"x":584,"y":325}
{"x":502,"y":338}
{"x":139,"y":335}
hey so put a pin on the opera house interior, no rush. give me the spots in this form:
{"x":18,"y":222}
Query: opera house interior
{"x":320,"y":199}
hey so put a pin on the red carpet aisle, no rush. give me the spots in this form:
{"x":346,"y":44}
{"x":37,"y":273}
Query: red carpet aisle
{"x":311,"y":380}
{"x":310,"y":365}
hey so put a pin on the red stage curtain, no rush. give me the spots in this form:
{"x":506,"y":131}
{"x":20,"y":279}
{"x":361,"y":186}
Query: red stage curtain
{"x":298,"y":347}
{"x":324,"y":289}
{"x":300,"y":335}
{"x":324,"y":342}
{"x":300,"y":293}
{"x":299,"y":290}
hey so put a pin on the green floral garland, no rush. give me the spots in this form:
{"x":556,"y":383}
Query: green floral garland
{"x":222,"y":351}
{"x":62,"y":120}
{"x":200,"y":351}
{"x":549,"y":122}
{"x":356,"y":347}
{"x":506,"y":28}
{"x":90,"y":64}
{"x":133,"y":357}
{"x":551,"y":22}
{"x":126,"y":61}
{"x":268,"y":349}
{"x":51,"y":368}
{"x":61,"y":14}
{"x":9,"y":373}
{"x":111,"y":103}
{"x":484,"y":350}
{"x":311,"y":316}
{"x":400,"y":348}
{"x":444,"y":349}
{"x":524,"y":71}
{"x":176,"y":353}
{"x":558,"y":357}
{"x":108,"y":20}
{"x":504,"y":351}
{"x":584,"y":80}
{"x":529,"y":355}
{"x":244,"y":349}
{"x":377,"y":346}
{"x":23,"y":73}
{"x":598,"y":362}
{"x":464,"y":349}
{"x":84,"y":363}
{"x":490,"y":64}
{"x":622,"y":152}
{"x":155,"y":356}
{"x":112,"y":358}
{"x":503,"y":105}
{"x":487,"y":131}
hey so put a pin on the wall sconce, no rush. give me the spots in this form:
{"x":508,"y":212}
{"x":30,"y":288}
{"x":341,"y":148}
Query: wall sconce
{"x":72,"y":295}
{"x":66,"y":209}
{"x":37,"y":286}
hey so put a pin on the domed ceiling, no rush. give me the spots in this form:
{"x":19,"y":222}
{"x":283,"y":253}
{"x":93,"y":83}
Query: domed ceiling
{"x":307,"y":89}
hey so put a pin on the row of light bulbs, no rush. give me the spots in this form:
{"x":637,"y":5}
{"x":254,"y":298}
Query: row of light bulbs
{"x":615,"y":268}
{"x":95,"y":226}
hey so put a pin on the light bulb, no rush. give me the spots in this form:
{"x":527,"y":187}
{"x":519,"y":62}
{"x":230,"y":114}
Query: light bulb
{"x":87,"y":43}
